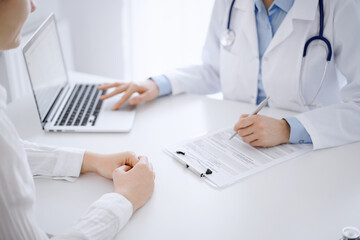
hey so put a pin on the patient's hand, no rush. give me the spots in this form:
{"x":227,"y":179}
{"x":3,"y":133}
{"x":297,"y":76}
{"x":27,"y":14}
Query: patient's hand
{"x":105,"y":164}
{"x":135,"y":184}
{"x":148,"y":90}
{"x":133,"y":176}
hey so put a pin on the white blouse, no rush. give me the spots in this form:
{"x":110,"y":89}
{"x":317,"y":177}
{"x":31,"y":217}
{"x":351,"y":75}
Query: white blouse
{"x":19,"y":161}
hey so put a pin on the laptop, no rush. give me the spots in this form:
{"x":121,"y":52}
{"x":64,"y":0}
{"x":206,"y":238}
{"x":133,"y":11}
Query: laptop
{"x":64,"y":105}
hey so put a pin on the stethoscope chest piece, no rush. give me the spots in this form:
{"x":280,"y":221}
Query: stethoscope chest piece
{"x":350,"y":233}
{"x":227,"y":38}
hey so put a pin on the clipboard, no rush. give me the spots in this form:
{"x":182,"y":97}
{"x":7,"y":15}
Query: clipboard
{"x":194,"y":166}
{"x":222,"y":162}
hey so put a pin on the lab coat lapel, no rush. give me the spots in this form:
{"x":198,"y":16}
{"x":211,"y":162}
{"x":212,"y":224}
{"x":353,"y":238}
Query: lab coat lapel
{"x":284,"y":31}
{"x":248,"y":23}
{"x":302,"y":10}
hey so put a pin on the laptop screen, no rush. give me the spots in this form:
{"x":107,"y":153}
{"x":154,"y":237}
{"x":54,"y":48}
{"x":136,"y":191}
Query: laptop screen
{"x":45,"y":64}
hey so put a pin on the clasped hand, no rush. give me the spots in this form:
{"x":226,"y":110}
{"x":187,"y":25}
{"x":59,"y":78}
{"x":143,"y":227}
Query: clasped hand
{"x":133,"y":176}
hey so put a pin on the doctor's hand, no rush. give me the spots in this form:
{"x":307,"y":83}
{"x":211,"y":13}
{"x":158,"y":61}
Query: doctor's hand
{"x":261,"y":131}
{"x":105,"y":164}
{"x":148,"y":90}
{"x":135,"y":184}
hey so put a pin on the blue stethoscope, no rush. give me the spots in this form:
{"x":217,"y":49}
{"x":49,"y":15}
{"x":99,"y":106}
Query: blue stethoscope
{"x":228,"y":38}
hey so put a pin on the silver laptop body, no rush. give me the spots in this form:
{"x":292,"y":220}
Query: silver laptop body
{"x":65,"y":106}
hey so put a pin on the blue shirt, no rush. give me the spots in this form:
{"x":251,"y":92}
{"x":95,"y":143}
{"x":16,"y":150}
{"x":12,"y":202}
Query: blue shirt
{"x":267,"y":23}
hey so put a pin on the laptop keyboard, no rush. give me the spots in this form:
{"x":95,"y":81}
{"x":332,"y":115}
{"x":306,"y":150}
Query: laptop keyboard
{"x":82,"y":107}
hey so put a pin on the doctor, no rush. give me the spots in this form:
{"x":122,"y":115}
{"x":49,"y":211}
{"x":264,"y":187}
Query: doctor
{"x":291,"y":50}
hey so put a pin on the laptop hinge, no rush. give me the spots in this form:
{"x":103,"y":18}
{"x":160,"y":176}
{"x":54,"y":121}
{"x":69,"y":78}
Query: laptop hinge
{"x":55,"y":106}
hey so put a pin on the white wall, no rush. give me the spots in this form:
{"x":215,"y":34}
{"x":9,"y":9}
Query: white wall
{"x":167,"y":34}
{"x":95,"y":31}
{"x":123,"y":39}
{"x":131,"y":39}
{"x":44,"y":8}
{"x":97,"y":37}
{"x":91,"y":37}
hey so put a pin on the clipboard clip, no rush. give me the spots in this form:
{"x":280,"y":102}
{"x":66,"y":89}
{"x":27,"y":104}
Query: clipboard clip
{"x":207,"y":172}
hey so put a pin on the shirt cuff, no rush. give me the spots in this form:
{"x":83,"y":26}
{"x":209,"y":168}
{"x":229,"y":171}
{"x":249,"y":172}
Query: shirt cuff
{"x":298,"y":133}
{"x":104,"y":219}
{"x":52,"y":162}
{"x":70,"y":162}
{"x":163,"y":84}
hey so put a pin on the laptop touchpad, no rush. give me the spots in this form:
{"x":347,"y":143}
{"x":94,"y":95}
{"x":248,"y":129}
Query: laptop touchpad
{"x":110,"y":102}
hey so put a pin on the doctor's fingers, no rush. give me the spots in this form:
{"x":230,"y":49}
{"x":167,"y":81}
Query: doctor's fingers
{"x":257,"y":143}
{"x":117,"y":90}
{"x":242,"y":132}
{"x":250,"y":138}
{"x":143,"y":97}
{"x":131,"y":89}
{"x":243,"y":123}
{"x":110,"y":85}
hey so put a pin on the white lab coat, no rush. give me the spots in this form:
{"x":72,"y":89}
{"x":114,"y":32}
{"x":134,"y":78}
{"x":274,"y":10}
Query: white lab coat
{"x":234,"y":70}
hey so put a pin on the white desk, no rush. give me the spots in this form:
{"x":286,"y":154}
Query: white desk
{"x":312,"y":197}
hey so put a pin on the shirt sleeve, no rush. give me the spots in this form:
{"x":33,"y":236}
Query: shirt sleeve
{"x":298,"y":133}
{"x":17,"y":195}
{"x":103,"y":220}
{"x":163,"y":84}
{"x":53,"y":162}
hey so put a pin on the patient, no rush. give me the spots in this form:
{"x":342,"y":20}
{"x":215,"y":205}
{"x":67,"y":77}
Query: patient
{"x":133,"y":176}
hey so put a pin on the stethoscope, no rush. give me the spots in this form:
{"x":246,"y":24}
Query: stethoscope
{"x":228,"y":38}
{"x":350,"y":233}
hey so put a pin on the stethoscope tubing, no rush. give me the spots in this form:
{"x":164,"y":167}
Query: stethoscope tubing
{"x":320,"y":37}
{"x":230,"y":11}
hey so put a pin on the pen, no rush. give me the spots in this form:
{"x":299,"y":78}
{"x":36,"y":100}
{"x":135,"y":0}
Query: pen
{"x":261,"y":105}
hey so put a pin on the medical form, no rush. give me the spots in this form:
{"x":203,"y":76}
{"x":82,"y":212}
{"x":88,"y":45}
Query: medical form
{"x":231,"y":161}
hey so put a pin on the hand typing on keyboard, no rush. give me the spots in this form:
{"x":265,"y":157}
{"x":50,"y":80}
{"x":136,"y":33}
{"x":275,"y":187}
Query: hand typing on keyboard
{"x":147,"y":90}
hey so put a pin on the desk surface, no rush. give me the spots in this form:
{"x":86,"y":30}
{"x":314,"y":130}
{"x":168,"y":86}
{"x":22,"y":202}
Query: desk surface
{"x":312,"y":197}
